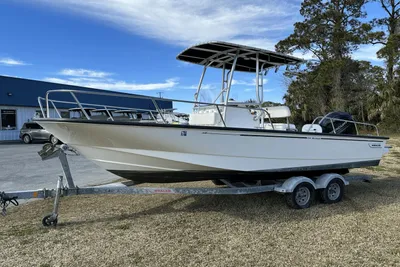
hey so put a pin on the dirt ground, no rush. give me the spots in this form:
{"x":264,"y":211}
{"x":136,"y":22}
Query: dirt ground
{"x":176,"y":230}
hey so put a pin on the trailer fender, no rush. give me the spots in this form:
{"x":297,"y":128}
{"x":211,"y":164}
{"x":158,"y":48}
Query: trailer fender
{"x":290,"y":184}
{"x":323,"y":180}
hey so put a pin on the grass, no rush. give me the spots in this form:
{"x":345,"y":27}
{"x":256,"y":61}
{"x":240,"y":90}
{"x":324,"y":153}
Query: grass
{"x":176,"y":230}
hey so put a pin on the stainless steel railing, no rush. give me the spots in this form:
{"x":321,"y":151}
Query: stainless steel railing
{"x":84,"y":106}
{"x":335,"y":129}
{"x":221,"y":108}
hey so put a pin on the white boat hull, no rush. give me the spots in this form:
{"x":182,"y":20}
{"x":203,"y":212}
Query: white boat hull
{"x":171,"y":153}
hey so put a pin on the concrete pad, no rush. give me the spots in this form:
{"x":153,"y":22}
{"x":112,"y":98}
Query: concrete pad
{"x":21,"y":168}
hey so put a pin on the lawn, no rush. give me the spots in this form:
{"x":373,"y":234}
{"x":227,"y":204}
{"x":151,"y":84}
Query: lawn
{"x":176,"y":230}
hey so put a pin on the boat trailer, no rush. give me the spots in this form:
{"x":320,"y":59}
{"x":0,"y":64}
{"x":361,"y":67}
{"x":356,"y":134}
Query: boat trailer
{"x":299,"y":190}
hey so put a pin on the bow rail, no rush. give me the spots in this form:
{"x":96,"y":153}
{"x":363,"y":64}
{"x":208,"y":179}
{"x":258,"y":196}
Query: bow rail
{"x":220,"y":107}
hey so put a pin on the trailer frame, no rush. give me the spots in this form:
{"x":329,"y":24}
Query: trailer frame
{"x":290,"y":187}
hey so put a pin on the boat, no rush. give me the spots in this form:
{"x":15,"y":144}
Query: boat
{"x":223,"y":139}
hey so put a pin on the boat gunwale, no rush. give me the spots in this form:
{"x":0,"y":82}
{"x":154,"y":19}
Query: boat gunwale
{"x":186,"y":126}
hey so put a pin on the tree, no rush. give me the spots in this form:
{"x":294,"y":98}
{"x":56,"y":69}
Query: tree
{"x":331,"y":31}
{"x":365,"y":81}
{"x":386,"y":101}
{"x":309,"y":93}
{"x":390,"y":38}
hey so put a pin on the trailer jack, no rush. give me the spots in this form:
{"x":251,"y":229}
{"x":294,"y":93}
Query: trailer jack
{"x":6,"y":200}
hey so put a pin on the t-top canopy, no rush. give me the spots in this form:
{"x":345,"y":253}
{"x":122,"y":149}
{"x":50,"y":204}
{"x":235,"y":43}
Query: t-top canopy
{"x":218,"y":53}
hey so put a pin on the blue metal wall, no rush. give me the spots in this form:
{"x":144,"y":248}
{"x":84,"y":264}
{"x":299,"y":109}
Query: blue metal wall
{"x":24,"y":92}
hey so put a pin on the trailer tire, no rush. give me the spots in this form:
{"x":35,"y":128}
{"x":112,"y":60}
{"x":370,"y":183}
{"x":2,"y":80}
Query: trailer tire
{"x":301,"y":197}
{"x":48,"y":221}
{"x":333,"y":193}
{"x":53,"y":140}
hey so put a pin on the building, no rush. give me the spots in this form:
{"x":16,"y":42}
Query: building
{"x":19,"y":102}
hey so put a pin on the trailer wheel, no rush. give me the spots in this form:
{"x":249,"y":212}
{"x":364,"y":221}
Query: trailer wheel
{"x":49,"y":221}
{"x":333,"y":192}
{"x":53,"y":140}
{"x":301,"y":197}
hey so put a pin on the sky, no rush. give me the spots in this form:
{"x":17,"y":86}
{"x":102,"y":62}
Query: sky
{"x":131,"y":45}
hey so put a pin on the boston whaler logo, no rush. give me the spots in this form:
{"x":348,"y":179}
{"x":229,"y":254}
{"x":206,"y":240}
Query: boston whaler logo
{"x":375,"y":145}
{"x":183,"y":133}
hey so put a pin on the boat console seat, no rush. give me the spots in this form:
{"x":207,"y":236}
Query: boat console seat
{"x":280,"y":127}
{"x":235,"y":117}
{"x":312,"y":128}
{"x":278,"y":112}
{"x":204,"y":118}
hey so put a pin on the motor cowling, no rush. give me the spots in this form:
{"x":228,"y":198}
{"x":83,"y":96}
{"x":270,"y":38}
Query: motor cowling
{"x":342,"y":122}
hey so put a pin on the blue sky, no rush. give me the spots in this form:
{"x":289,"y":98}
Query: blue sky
{"x":131,"y":45}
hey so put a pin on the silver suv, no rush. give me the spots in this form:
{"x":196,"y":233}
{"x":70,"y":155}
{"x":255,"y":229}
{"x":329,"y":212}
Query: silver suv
{"x":31,"y":131}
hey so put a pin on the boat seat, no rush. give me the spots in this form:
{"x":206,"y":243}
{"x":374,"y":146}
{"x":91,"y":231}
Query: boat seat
{"x":209,"y":118}
{"x":312,"y":128}
{"x":280,"y":127}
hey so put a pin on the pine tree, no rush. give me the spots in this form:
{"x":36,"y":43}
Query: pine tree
{"x":331,"y":31}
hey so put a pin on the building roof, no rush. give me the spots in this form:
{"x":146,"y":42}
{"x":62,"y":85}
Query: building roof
{"x":219,"y":53}
{"x":24,"y":92}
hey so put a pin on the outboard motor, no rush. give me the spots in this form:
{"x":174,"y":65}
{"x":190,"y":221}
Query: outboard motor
{"x":341,"y":127}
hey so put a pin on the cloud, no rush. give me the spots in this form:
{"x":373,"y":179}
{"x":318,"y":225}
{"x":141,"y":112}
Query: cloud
{"x":204,"y":86}
{"x":186,"y":22}
{"x":12,"y":76}
{"x":101,"y":80}
{"x":12,"y":62}
{"x":264,"y":43}
{"x":368,"y":52}
{"x":82,"y":79}
{"x":113,"y":85}
{"x":84,"y":73}
{"x":253,"y":90}
{"x":306,"y":56}
{"x":184,"y":64}
{"x":247,"y":83}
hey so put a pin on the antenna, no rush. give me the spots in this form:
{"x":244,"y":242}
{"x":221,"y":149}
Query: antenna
{"x":160,"y":94}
